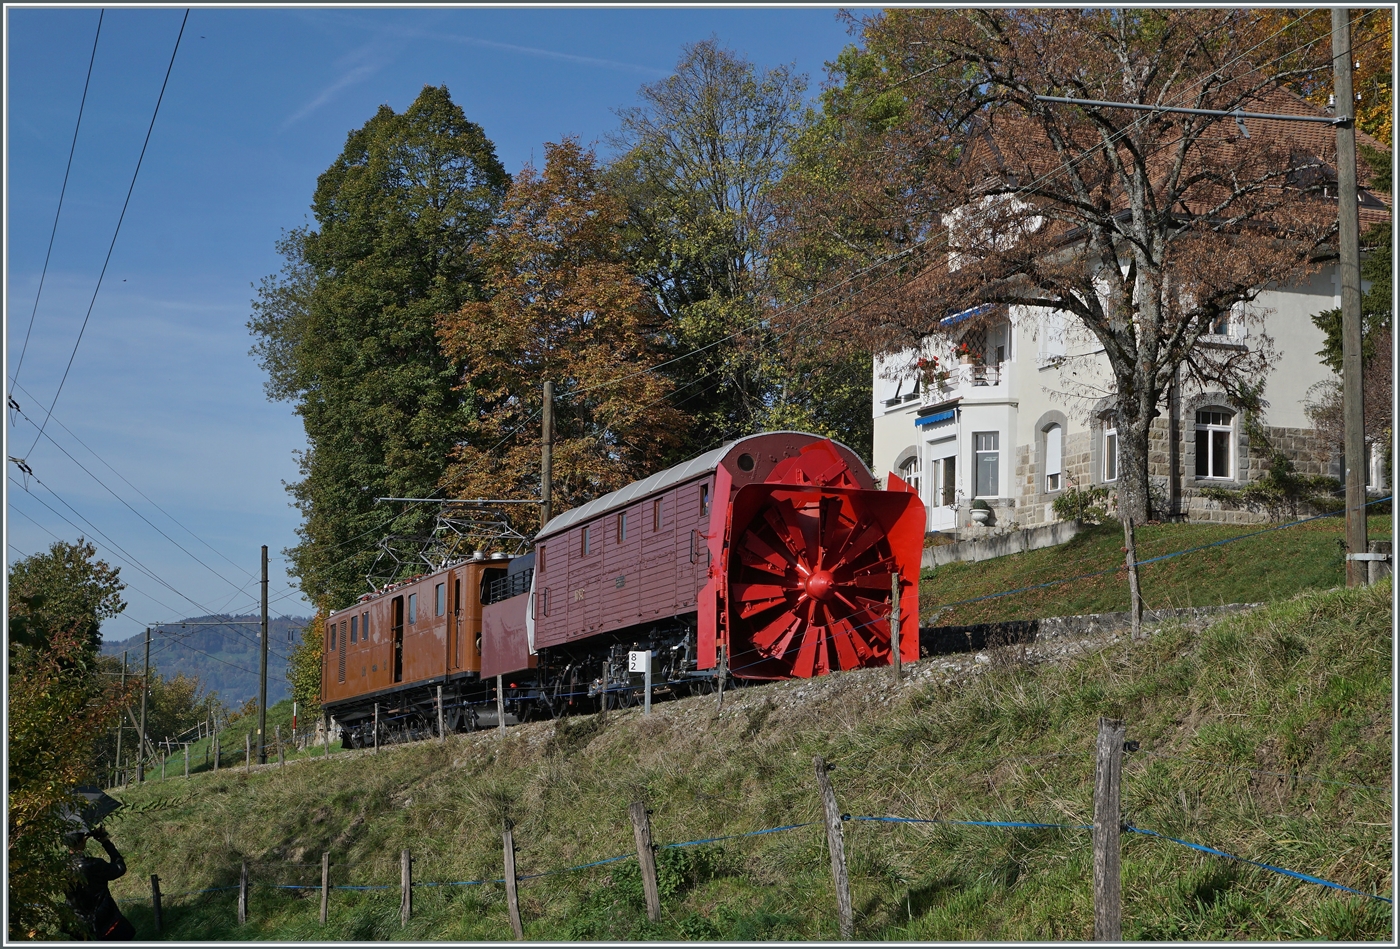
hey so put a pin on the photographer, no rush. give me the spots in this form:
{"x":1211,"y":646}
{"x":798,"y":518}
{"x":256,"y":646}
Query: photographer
{"x":88,"y":894}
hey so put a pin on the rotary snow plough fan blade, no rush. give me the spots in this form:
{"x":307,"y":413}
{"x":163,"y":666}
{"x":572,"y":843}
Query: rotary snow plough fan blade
{"x":809,"y":578}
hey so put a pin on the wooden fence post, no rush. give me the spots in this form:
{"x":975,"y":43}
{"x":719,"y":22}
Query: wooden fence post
{"x":281,"y":758}
{"x":325,"y":883}
{"x":442,"y":727}
{"x":501,"y":706}
{"x":896,"y":660}
{"x":722,"y":673}
{"x":215,"y":742}
{"x":243,"y":894}
{"x":376,"y":728}
{"x":187,"y":760}
{"x":1134,"y":589}
{"x":248,"y":753}
{"x":162,"y":766}
{"x":646,"y":858}
{"x":512,"y":898}
{"x":1108,"y":771}
{"x":836,"y":844}
{"x":326,"y":736}
{"x":155,"y":899}
{"x":405,"y":887}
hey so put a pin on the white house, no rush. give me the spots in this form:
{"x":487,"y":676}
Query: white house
{"x":1021,"y":424}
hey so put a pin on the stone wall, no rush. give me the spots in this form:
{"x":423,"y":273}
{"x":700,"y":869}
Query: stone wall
{"x":1310,"y":453}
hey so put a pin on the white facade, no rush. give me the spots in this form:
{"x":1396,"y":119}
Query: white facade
{"x":1023,"y":423}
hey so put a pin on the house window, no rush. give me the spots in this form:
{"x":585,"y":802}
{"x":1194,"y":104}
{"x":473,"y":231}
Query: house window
{"x":909,"y":471}
{"x":440,"y":599}
{"x":1215,"y":430}
{"x":986,"y":458}
{"x":704,"y":499}
{"x":412,"y":608}
{"x":1054,"y":449}
{"x":1110,"y":454}
{"x":587,"y":540}
{"x":354,"y":629}
{"x":622,"y":527}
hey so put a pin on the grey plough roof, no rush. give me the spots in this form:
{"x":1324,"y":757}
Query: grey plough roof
{"x":640,"y":489}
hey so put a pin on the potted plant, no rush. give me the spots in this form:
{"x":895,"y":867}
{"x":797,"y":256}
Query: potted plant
{"x":981,"y":511}
{"x":967,"y":355}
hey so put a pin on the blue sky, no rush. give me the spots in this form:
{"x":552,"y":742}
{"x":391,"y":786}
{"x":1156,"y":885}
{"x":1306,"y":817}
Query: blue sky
{"x":163,"y":399}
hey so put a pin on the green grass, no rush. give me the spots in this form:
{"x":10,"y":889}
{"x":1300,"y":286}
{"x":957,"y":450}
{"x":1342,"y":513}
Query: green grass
{"x":1257,"y":569}
{"x":1302,"y":686}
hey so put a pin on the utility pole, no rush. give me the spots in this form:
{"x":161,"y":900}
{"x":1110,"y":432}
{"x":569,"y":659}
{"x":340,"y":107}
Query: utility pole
{"x":121,"y":727}
{"x":145,"y":691}
{"x":1349,"y":249}
{"x":547,"y":452}
{"x":262,"y":668}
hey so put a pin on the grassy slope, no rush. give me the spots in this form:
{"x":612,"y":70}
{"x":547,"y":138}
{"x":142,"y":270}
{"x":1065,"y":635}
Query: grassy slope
{"x":1303,"y":685}
{"x":1258,"y":569}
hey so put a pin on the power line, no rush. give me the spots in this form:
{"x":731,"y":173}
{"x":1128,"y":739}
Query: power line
{"x":133,"y":487}
{"x":61,"y":192}
{"x":115,"y":232}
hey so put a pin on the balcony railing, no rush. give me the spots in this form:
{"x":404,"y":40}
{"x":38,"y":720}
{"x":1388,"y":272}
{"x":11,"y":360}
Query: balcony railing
{"x":961,"y":380}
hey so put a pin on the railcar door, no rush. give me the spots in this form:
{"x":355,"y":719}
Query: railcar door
{"x":398,"y":639}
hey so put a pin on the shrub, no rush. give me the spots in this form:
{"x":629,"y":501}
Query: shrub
{"x":1082,"y":504}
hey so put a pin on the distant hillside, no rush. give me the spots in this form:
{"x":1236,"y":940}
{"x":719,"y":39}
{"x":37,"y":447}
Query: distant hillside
{"x":224,"y":657}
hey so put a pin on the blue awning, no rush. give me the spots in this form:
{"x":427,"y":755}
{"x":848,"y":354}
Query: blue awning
{"x":966,"y":314}
{"x":935,"y":418}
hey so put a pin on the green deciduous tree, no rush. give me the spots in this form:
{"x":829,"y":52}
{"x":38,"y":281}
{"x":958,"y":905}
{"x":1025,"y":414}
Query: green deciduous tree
{"x":564,"y":306}
{"x":346,"y":333}
{"x":64,"y":590}
{"x":698,"y":157}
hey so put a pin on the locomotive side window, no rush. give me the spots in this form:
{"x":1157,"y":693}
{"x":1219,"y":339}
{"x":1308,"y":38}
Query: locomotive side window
{"x":540,"y":566}
{"x":656,"y":515}
{"x":412,"y":608}
{"x":457,"y":596}
{"x":354,"y":628}
{"x":364,"y":626}
{"x":622,"y":527}
{"x":440,"y":599}
{"x":587,"y":538}
{"x":332,"y":645}
{"x":704,"y":499}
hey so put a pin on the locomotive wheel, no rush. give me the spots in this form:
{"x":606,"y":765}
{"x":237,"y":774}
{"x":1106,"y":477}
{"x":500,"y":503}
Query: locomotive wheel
{"x":810,"y":588}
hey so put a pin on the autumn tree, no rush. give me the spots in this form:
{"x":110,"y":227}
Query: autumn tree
{"x":564,"y":305}
{"x":58,"y":709}
{"x":345,"y":331}
{"x":696,"y":160}
{"x":960,"y":188}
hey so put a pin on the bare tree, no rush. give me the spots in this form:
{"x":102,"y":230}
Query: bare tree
{"x":1149,"y":228}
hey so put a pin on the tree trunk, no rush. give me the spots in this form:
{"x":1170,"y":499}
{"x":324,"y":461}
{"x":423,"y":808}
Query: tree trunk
{"x":1134,"y":490}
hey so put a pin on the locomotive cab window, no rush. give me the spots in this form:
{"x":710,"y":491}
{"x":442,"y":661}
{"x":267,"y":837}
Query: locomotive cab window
{"x":332,"y":639}
{"x":364,"y":627}
{"x":704,"y":499}
{"x":656,"y":515}
{"x":539,"y":565}
{"x":440,"y":599}
{"x":622,"y":527}
{"x":354,"y":628}
{"x":412,"y":608}
{"x":585,"y":544}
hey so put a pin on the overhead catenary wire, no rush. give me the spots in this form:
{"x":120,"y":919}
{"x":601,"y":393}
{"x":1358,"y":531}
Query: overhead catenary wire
{"x":63,"y":190}
{"x":112,"y":246}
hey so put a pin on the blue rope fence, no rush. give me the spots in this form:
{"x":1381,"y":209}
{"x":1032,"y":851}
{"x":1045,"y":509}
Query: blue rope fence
{"x":1003,"y":824}
{"x":1266,"y":866}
